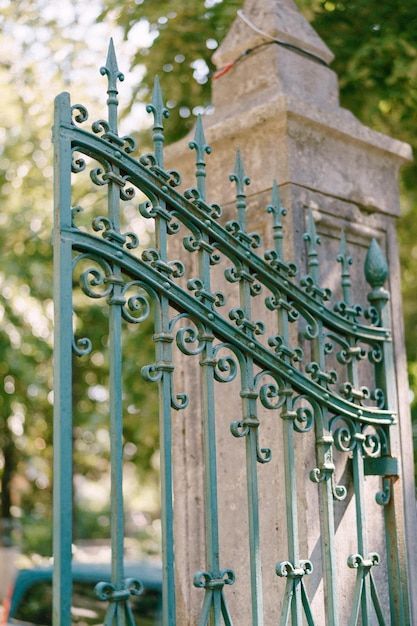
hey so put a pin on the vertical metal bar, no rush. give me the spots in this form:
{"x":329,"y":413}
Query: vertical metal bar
{"x":163,"y":340}
{"x":249,"y":396}
{"x":288,"y":430}
{"x":116,"y":300}
{"x":358,"y":484}
{"x":376,"y":272}
{"x":357,"y":453}
{"x":323,"y":443}
{"x":63,"y":334}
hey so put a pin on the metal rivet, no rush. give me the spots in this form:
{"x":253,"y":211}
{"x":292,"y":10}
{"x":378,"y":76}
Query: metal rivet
{"x":164,"y":188}
{"x":360,"y":412}
{"x":119,"y":254}
{"x":289,"y":372}
{"x":248,"y":253}
{"x":355,"y":327}
{"x":251,"y":345}
{"x":326,"y":396}
{"x":117,"y":154}
{"x":208,"y":223}
{"x":210,"y":316}
{"x":167,"y":285}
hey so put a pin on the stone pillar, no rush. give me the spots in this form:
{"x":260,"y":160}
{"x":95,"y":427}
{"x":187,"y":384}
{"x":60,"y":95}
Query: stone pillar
{"x":280,"y":106}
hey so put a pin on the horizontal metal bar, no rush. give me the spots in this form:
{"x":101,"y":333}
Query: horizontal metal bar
{"x":147,"y":181}
{"x":225,"y":331}
{"x":381,"y":466}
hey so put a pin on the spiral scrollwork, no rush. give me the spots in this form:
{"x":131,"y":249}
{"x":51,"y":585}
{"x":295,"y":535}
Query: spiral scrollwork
{"x":357,"y":561}
{"x":127,"y":142}
{"x":383,"y":497}
{"x":243,"y":427}
{"x":79,"y":113}
{"x":94,"y":280}
{"x":375,"y":354}
{"x":106,"y":176}
{"x":195,"y":242}
{"x":81,"y":346}
{"x":273,"y":393}
{"x":305,"y":414}
{"x":276,"y":301}
{"x":215,"y":298}
{"x":137,"y":307}
{"x":214,"y":580}
{"x":119,"y":610}
{"x":349,"y":351}
{"x":174,"y":269}
{"x":312,"y":289}
{"x":344,"y":434}
{"x":251,"y":240}
{"x":226,"y":366}
{"x":351,"y":312}
{"x":104,"y":224}
{"x":152,"y":208}
{"x":375,"y":441}
{"x":286,"y":569}
{"x":190,"y":339}
{"x":275,"y":261}
{"x":319,"y":375}
{"x":253,"y":328}
{"x":78,"y":163}
{"x":311,"y":328}
{"x":371,"y":314}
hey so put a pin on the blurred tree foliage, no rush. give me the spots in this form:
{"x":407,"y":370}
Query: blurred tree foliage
{"x":37,"y":51}
{"x":375,"y":47}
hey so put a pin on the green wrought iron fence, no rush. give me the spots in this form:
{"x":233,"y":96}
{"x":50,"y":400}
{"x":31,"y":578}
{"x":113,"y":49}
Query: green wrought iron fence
{"x":297,"y":385}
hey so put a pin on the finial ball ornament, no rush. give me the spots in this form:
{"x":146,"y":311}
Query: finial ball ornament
{"x":376,"y":268}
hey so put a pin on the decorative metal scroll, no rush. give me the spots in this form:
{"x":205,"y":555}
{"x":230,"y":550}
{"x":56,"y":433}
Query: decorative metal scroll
{"x":275,"y":372}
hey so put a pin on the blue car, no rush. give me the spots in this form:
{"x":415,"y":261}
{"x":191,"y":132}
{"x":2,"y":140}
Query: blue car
{"x":30,"y":599}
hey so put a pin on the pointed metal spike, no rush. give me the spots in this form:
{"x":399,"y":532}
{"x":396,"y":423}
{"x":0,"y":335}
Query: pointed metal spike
{"x":277,"y":211}
{"x":312,"y":240}
{"x":157,"y":106}
{"x":199,"y":145}
{"x":157,"y":100}
{"x":342,"y":244}
{"x":376,"y":268}
{"x":111,"y":70}
{"x":240,"y":178}
{"x":239,"y":167}
{"x":159,"y":111}
{"x":199,"y":137}
{"x":345,"y":260}
{"x":276,"y":199}
{"x":311,"y":228}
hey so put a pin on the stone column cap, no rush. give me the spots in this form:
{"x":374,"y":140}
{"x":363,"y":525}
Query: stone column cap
{"x":276,"y":19}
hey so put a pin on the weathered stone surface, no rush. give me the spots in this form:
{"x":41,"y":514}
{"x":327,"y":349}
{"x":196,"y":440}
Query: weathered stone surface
{"x":282,"y":110}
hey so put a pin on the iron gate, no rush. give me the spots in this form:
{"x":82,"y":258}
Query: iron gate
{"x":276,"y":372}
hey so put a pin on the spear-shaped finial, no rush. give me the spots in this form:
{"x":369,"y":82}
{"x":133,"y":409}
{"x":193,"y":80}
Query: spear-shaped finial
{"x":199,"y":145}
{"x":240,"y":178}
{"x":376,"y":273}
{"x":277,"y":211}
{"x":159,"y":111}
{"x":113,"y":74}
{"x":312,"y":240}
{"x":346,"y":261}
